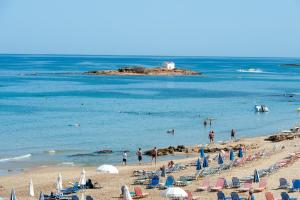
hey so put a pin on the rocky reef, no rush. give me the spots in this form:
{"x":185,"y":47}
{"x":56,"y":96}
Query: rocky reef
{"x":158,"y":71}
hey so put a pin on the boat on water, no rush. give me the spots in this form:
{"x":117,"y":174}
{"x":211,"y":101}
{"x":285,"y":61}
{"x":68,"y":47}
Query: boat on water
{"x":250,"y":70}
{"x":261,"y":108}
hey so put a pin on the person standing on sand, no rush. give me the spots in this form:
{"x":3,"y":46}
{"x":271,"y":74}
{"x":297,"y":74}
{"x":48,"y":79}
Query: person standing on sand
{"x":139,"y":154}
{"x":211,"y":136}
{"x":233,"y":133}
{"x":124,"y":158}
{"x":154,"y":154}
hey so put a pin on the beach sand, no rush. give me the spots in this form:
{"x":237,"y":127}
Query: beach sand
{"x":44,"y":178}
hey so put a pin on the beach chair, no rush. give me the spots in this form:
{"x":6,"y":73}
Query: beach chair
{"x":170,"y":181}
{"x":221,"y":196}
{"x":154,"y":182}
{"x":70,"y":190}
{"x":235,"y":182}
{"x":88,"y":197}
{"x":270,"y":196}
{"x":205,"y":185}
{"x":295,"y":186}
{"x":246,"y":187}
{"x":138,"y":193}
{"x":220,"y":184}
{"x":182,"y":181}
{"x":190,"y":195}
{"x":74,"y":197}
{"x":262,"y":186}
{"x":235,"y":196}
{"x":283,"y":183}
{"x":285,"y":196}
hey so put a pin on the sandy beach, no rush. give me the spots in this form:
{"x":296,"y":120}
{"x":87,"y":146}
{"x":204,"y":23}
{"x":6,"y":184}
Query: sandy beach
{"x":44,"y":178}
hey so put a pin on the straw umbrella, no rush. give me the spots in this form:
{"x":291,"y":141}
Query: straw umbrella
{"x":31,"y":190}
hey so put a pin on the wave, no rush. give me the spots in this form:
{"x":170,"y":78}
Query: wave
{"x":251,"y":70}
{"x":15,"y":158}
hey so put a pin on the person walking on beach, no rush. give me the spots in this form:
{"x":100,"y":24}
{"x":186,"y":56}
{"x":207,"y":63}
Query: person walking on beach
{"x":154,"y":154}
{"x":233,"y":133}
{"x":124,"y":158}
{"x":139,"y":155}
{"x":211,"y":136}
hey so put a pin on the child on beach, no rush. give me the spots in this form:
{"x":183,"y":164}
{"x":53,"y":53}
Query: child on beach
{"x":154,"y":154}
{"x":124,"y":158}
{"x":139,"y":155}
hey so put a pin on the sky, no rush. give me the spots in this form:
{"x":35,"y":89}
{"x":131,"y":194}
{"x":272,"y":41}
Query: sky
{"x":259,"y":28}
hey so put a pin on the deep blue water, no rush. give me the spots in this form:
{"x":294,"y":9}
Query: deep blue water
{"x":40,"y":96}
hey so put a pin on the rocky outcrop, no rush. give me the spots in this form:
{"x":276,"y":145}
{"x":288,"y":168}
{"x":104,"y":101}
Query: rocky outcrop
{"x":282,"y":137}
{"x":166,"y":151}
{"x":158,"y":71}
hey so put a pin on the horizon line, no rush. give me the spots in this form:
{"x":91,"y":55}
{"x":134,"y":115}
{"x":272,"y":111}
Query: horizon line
{"x":142,"y":55}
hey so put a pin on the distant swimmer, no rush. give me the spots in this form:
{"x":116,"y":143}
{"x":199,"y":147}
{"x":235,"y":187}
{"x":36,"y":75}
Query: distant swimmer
{"x":171,"y":131}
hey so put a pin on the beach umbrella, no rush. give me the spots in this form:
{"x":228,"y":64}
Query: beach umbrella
{"x":108,"y":169}
{"x":31,"y":190}
{"x":231,"y":155}
{"x":240,"y":153}
{"x":198,"y":165}
{"x":202,"y":154}
{"x":174,"y":192}
{"x":256,"y":177}
{"x":58,"y":185}
{"x":205,"y":162}
{"x":163,"y":171}
{"x":42,"y":196}
{"x":82,"y":180}
{"x":126,"y":195}
{"x":13,"y":195}
{"x":60,"y":180}
{"x":82,"y":196}
{"x":220,"y":159}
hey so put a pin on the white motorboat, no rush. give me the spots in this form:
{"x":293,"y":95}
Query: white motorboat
{"x":261,"y":108}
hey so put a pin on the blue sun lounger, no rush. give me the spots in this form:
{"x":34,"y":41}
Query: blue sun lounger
{"x":221,"y":196}
{"x":154,"y":182}
{"x":295,"y":186}
{"x":235,"y":196}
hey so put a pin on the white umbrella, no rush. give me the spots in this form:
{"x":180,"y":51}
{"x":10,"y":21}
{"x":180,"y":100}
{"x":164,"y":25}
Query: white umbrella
{"x":59,"y":183}
{"x":174,"y":192}
{"x":108,"y":169}
{"x":13,"y":195}
{"x":31,"y":190}
{"x":42,"y":196}
{"x":126,"y":195}
{"x":82,"y":180}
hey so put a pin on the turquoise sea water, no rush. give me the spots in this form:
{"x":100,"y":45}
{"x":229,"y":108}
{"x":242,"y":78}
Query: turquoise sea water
{"x":41,"y":96}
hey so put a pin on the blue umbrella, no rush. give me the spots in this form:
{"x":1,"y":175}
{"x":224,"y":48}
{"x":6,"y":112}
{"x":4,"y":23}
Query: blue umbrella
{"x":13,"y":195}
{"x":198,"y":165}
{"x":202,"y":154}
{"x":205,"y":162}
{"x":240,"y":154}
{"x":231,"y":155}
{"x":220,"y":159}
{"x":256,"y":177}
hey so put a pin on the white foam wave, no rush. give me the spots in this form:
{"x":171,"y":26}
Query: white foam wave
{"x":15,"y":158}
{"x":251,"y":70}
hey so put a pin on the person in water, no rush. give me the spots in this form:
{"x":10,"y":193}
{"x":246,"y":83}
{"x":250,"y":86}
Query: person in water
{"x":233,"y":134}
{"x":139,"y":154}
{"x":154,"y":154}
{"x":124,"y":158}
{"x":211,"y":136}
{"x":205,"y":123}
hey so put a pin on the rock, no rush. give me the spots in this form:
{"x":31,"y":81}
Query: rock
{"x":280,"y":137}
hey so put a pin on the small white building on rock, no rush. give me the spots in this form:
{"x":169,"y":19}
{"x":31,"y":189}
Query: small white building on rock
{"x":169,"y":65}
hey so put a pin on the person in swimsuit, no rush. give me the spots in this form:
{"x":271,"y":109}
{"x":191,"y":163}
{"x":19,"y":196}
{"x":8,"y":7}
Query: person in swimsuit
{"x":154,"y":154}
{"x":139,"y":155}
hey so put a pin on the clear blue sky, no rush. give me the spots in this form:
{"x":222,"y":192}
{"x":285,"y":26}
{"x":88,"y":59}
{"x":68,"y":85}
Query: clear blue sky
{"x":151,"y":27}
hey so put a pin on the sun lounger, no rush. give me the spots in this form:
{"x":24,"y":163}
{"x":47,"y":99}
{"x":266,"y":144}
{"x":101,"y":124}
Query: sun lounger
{"x":170,"y":181}
{"x":221,"y":196}
{"x":70,"y":190}
{"x":138,"y":193}
{"x":295,"y":186}
{"x":153,"y":183}
{"x":270,"y":196}
{"x":235,"y":196}
{"x":205,"y":185}
{"x":283,"y":183}
{"x":285,"y":196}
{"x":220,"y":184}
{"x":262,"y":186}
{"x":235,"y":182}
{"x":182,"y":181}
{"x":246,"y":187}
{"x":88,"y":197}
{"x":190,"y":195}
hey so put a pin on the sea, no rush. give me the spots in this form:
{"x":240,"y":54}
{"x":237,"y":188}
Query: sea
{"x":53,"y":114}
